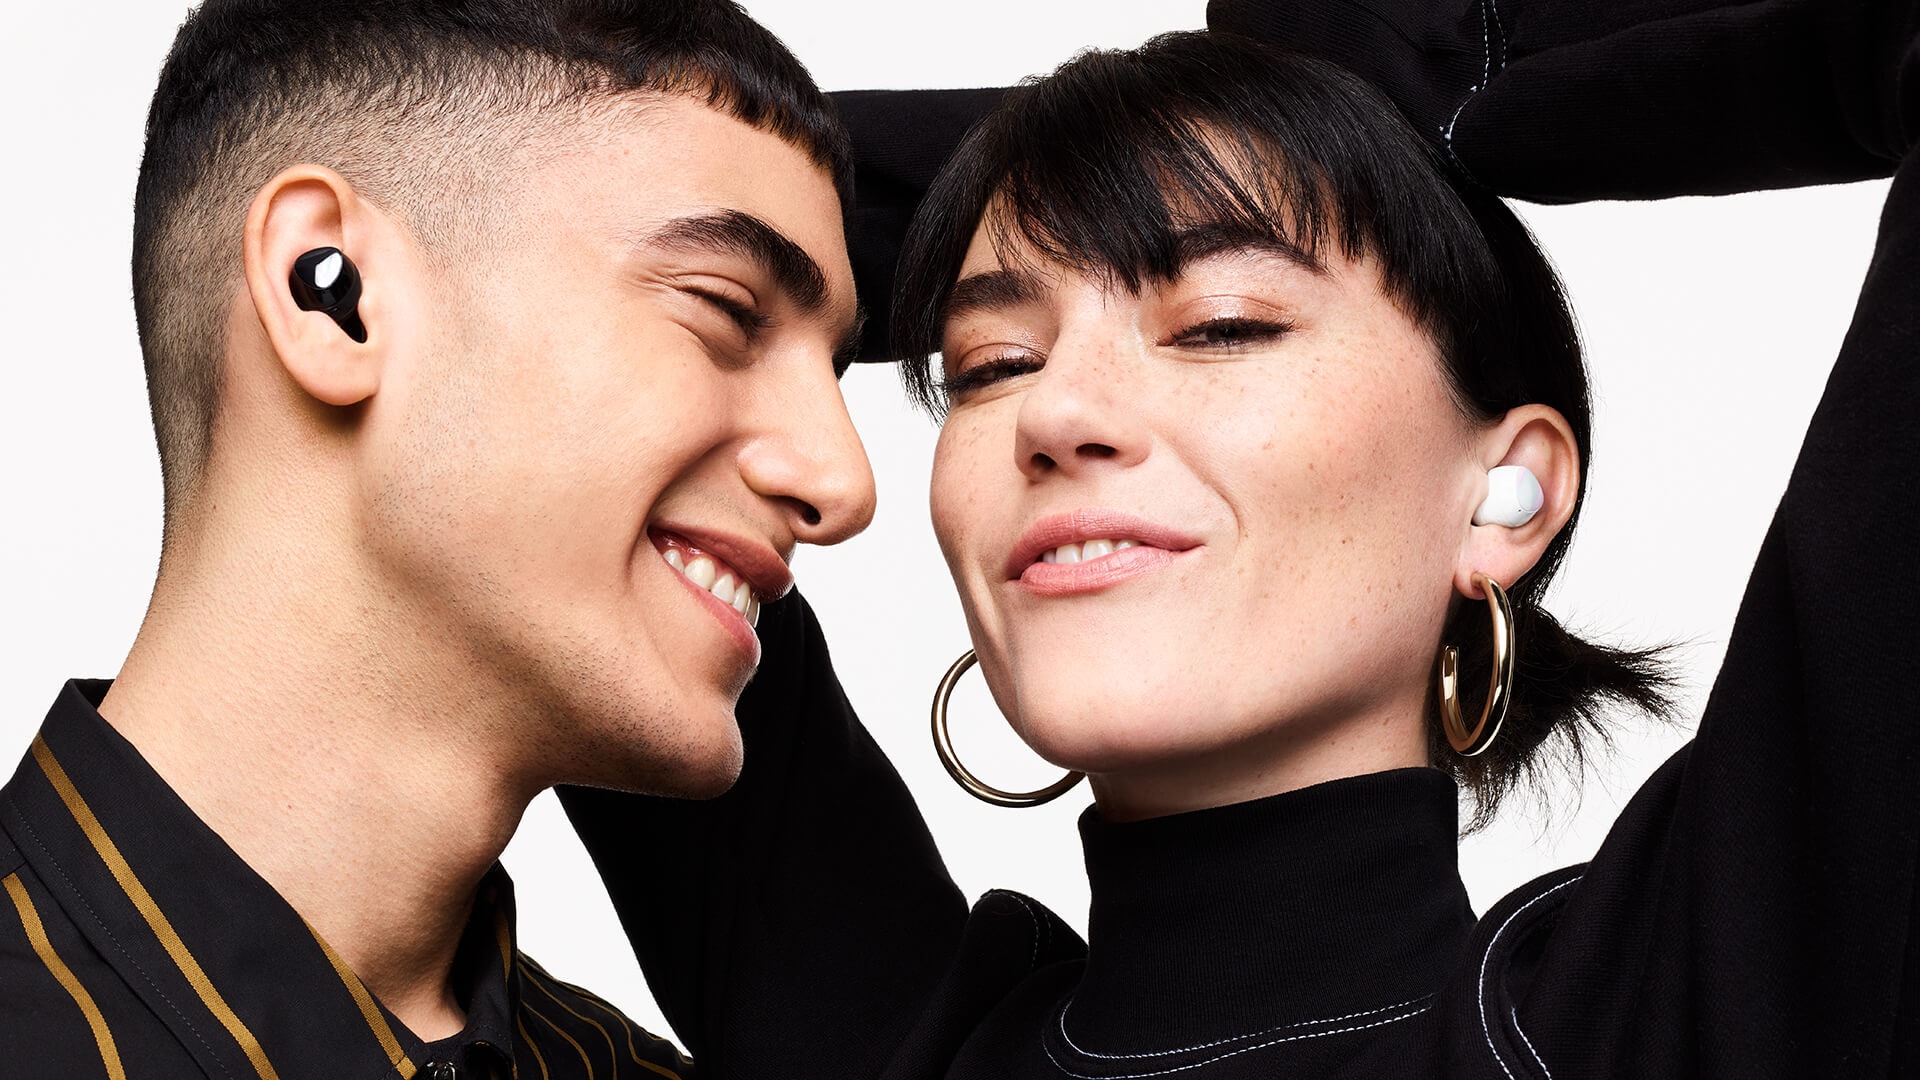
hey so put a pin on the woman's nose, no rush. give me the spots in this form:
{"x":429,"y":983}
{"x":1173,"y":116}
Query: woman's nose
{"x":1083,"y":409}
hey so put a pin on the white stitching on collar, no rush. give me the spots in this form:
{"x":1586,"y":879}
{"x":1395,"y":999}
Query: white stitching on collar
{"x":1486,"y":1028}
{"x":1515,"y":1015}
{"x":1231,"y":1038}
{"x":1231,"y":1053}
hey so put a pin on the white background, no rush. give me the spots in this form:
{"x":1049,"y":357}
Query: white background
{"x":1711,"y":325}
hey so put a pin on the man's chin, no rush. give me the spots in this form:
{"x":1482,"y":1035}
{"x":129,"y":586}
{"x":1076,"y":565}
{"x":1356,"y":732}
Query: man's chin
{"x":694,"y":769}
{"x":710,"y":788}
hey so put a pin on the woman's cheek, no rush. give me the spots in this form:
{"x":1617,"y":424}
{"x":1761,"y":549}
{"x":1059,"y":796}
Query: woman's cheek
{"x":972,"y":470}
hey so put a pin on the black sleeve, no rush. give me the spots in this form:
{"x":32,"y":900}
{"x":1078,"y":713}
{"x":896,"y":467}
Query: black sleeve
{"x":900,"y":140}
{"x":1568,"y":100}
{"x":795,"y":926}
{"x":1756,"y":911}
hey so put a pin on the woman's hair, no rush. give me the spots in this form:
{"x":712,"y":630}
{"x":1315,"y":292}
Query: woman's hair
{"x":1102,"y":166}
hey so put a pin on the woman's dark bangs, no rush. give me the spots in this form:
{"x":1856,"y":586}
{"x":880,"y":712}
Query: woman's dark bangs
{"x":1112,"y":201}
{"x":1105,"y":165}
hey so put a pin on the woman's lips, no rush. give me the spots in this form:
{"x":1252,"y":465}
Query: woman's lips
{"x":1067,"y":579}
{"x":1091,"y":549}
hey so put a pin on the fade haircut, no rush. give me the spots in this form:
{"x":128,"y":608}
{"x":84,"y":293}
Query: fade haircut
{"x":1102,"y":165}
{"x":408,"y":100}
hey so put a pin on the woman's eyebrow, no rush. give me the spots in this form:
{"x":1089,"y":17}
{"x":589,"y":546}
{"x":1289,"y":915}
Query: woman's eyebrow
{"x":990,"y":290}
{"x":1197,"y":242}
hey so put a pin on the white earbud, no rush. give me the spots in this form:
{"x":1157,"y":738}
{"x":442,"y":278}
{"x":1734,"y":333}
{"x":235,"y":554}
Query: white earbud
{"x":1513,"y":497}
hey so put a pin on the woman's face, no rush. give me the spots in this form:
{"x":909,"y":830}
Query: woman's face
{"x":1205,"y":536}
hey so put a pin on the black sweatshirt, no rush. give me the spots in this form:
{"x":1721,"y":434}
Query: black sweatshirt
{"x":1753,"y":913}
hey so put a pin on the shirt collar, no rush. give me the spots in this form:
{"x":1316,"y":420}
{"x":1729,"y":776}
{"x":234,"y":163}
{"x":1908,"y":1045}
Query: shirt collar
{"x":218,"y":955}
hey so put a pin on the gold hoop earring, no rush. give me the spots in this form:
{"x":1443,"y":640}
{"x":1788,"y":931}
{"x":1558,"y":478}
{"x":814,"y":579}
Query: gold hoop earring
{"x":1499,"y":687}
{"x":943,"y":746}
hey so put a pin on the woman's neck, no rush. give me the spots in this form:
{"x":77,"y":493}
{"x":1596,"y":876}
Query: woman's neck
{"x":1280,"y":759}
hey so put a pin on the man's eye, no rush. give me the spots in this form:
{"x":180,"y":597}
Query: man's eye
{"x":982,"y":375}
{"x":749,"y":321}
{"x":1229,"y":333}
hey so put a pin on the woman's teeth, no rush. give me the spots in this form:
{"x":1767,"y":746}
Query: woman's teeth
{"x":1086,"y":551}
{"x":718,"y":579}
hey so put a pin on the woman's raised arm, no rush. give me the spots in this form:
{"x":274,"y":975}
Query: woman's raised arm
{"x":1560,"y":101}
{"x":1755,"y":907}
{"x":794,"y":926}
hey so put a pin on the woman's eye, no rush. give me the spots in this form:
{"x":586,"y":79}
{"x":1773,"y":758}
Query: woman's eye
{"x":1229,"y":333}
{"x":979,"y":376}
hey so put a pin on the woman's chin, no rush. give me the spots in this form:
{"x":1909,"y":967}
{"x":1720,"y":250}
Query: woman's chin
{"x":1100,"y":734}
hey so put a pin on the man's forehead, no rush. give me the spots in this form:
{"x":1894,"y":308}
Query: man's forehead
{"x":661,"y":155}
{"x":666,"y":173}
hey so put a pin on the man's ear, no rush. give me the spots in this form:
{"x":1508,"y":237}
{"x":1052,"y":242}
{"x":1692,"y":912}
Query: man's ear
{"x":1538,"y":438}
{"x":304,"y":208}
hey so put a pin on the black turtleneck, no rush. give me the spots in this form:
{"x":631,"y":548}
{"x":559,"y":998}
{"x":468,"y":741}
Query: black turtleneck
{"x":1324,"y":902}
{"x":1308,"y":933}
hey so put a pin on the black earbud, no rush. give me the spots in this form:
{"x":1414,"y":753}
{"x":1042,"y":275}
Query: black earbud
{"x":325,"y":280}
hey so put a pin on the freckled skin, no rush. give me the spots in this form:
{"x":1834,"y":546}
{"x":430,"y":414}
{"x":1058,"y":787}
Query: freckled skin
{"x":1327,"y":472}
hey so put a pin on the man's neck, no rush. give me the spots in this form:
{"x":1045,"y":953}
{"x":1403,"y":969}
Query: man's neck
{"x":300,"y":733}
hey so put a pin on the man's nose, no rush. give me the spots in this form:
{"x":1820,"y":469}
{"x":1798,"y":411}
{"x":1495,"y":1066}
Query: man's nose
{"x":811,"y":462}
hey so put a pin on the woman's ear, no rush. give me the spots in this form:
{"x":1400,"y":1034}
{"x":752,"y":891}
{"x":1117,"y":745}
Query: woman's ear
{"x":303,"y":209}
{"x":1538,"y":439}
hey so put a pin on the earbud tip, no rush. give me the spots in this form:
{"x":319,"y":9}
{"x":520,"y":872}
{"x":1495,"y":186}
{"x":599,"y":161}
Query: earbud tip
{"x":324,"y":279}
{"x":1513,"y":497}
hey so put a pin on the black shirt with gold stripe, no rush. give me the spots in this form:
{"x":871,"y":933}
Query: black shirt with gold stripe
{"x":134,"y":943}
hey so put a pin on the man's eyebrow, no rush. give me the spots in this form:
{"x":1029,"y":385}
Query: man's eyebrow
{"x":989,"y":290}
{"x":1197,"y":242}
{"x":739,"y":233}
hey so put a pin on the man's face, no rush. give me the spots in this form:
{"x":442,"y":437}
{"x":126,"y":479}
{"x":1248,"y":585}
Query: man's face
{"x":624,"y":406}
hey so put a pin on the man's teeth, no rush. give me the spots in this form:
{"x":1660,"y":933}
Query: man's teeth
{"x":1087,"y":551}
{"x":709,"y":575}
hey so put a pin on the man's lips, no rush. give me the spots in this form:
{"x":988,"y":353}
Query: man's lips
{"x":754,"y":563}
{"x":728,"y":575}
{"x":1056,"y":549}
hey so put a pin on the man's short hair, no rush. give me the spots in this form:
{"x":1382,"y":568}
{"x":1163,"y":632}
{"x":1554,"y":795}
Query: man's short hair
{"x":409,"y":100}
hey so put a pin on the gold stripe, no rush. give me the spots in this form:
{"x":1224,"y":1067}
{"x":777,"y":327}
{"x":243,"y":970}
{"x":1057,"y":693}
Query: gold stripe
{"x":571,"y":1041}
{"x":156,"y":919}
{"x":528,"y":1039}
{"x":613,"y":1053}
{"x":37,"y":934}
{"x":621,"y":1018}
{"x":369,"y":1009}
{"x":504,"y":934}
{"x":661,"y":1069}
{"x":638,"y":1060}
